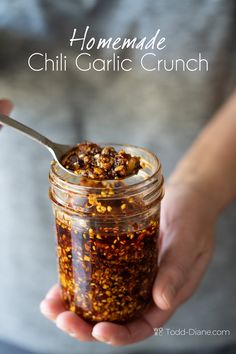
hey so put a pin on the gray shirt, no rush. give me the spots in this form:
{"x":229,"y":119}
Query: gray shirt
{"x":163,"y":111}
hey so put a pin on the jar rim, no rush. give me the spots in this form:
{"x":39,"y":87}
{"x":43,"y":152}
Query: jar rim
{"x":151,"y":162}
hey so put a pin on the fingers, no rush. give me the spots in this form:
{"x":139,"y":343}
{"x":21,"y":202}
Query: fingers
{"x":135,"y":331}
{"x":52,"y":308}
{"x":111,"y":333}
{"x":76,"y":327}
{"x":117,"y":335}
{"x":52,"y":305}
{"x":5,"y":106}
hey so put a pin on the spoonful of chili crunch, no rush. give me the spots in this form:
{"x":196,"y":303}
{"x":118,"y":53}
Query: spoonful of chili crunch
{"x":100,"y":162}
{"x":86,"y":159}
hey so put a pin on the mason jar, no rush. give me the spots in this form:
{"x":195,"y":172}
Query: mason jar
{"x":107,"y":239}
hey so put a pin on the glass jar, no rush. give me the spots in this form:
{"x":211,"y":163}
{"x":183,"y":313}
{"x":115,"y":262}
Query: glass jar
{"x":107,"y":233}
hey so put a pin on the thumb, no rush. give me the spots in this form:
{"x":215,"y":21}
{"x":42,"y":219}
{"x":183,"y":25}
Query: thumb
{"x":171,"y":277}
{"x":5,"y":106}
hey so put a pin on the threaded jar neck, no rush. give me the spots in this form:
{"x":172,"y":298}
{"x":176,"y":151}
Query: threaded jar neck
{"x":76,"y":195}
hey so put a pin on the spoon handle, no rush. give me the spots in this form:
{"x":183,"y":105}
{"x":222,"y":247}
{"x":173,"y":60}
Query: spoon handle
{"x":31,"y":133}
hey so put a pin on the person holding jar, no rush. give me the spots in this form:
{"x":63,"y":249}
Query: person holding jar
{"x":167,"y":112}
{"x":196,"y":193}
{"x":187,"y":233}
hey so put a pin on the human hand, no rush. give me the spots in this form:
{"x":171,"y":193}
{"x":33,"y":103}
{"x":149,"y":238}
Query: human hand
{"x":186,"y":246}
{"x":5,"y":107}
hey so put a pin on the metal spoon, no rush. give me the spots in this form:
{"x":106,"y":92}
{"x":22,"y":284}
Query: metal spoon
{"x":57,"y":150}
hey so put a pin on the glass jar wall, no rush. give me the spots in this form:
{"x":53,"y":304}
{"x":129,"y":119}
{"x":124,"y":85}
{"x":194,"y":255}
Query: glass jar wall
{"x":107,"y":239}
